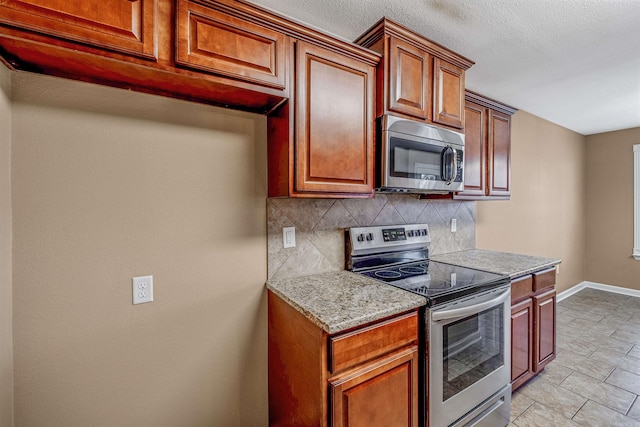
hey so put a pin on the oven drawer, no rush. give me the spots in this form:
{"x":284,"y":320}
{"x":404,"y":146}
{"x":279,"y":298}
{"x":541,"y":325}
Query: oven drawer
{"x":521,"y":287}
{"x":544,"y":279}
{"x":363,"y":344}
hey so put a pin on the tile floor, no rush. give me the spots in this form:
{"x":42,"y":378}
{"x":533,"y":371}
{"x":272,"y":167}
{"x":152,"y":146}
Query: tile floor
{"x":595,"y":379}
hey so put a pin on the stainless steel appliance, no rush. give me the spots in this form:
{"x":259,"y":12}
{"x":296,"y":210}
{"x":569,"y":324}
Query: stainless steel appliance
{"x":466,"y":332}
{"x":418,"y":158}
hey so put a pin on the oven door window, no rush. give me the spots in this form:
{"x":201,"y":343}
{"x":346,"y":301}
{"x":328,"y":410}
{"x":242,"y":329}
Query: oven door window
{"x":472,"y":348}
{"x":416,"y":160}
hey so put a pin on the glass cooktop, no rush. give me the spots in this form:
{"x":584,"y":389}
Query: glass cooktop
{"x":436,"y":281}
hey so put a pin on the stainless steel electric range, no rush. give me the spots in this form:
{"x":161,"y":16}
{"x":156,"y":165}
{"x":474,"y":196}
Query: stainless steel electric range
{"x":466,"y":333}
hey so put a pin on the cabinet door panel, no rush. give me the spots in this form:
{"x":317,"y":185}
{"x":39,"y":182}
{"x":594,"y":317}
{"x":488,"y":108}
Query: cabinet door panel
{"x":544,"y":350}
{"x":475,"y":150}
{"x":381,"y":394}
{"x":521,"y":342}
{"x":448,"y":96}
{"x":127,"y":26}
{"x":499,"y":154}
{"x":409,"y":82}
{"x":213,"y":41}
{"x":334,"y":122}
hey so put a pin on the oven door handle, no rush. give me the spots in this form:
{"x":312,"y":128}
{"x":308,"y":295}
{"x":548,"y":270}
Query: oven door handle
{"x":471,"y":309}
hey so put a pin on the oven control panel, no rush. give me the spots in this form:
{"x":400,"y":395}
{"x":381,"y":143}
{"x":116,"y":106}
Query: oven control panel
{"x":373,"y":239}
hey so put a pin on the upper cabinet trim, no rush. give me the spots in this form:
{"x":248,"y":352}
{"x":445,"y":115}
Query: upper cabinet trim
{"x":476,"y":98}
{"x":411,"y":37}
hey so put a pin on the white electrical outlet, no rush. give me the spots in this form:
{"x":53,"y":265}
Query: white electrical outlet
{"x":289,"y":237}
{"x":142,"y":289}
{"x":454,"y":225}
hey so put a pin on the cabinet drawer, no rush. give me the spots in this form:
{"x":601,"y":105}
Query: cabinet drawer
{"x":544,"y":279}
{"x":521,"y":287}
{"x":212,"y":41}
{"x":363,"y":344}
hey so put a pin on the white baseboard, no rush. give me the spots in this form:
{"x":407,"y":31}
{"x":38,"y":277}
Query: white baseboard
{"x":593,"y":285}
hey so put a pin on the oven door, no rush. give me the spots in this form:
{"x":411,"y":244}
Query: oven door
{"x":469,"y":357}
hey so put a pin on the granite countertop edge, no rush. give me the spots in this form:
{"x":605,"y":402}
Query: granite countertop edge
{"x":343,"y":317}
{"x":507,"y":263}
{"x":533,"y":269}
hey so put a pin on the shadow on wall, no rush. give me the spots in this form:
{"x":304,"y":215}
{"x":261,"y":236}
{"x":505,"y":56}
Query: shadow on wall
{"x":320,"y":228}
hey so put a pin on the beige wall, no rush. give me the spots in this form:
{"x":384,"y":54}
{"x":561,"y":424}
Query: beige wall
{"x":545,"y":215}
{"x":108,"y":185}
{"x":6,"y":339}
{"x":610,"y":209}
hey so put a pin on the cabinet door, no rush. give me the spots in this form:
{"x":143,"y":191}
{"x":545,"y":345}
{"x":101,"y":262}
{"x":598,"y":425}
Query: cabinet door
{"x":213,"y":41}
{"x":334,"y":99}
{"x":380,"y":394}
{"x":475,"y":150}
{"x":521,"y":342}
{"x":127,"y":26}
{"x":448,"y":94}
{"x":544,"y":349}
{"x":409,"y":79}
{"x":499,"y":154}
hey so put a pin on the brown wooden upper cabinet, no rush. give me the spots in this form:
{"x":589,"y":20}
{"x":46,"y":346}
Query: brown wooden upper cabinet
{"x":126,"y":26}
{"x":487,"y":163}
{"x":417,"y":78}
{"x":216,"y":42}
{"x":409,"y":80}
{"x":227,"y":52}
{"x":321,"y":142}
{"x":448,"y":94}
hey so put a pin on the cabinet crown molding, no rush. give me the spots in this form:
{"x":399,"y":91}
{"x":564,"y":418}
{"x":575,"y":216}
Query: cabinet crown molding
{"x":476,"y":98}
{"x":386,"y":26}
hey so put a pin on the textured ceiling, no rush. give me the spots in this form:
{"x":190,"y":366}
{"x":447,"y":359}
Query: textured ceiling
{"x":572,"y":62}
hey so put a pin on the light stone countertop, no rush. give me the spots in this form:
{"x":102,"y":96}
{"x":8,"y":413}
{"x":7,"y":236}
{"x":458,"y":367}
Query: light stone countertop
{"x":341,"y":300}
{"x":513,"y":265}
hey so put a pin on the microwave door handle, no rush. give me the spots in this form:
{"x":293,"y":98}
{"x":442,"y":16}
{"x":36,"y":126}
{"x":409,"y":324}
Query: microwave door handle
{"x":469,"y":310}
{"x":454,"y":166}
{"x":444,"y":163}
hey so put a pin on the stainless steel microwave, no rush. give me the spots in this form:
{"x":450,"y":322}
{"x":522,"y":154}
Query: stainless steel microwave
{"x":415,"y":157}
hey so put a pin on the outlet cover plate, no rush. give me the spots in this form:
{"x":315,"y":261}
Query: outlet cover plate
{"x":289,"y":237}
{"x":142,"y":289}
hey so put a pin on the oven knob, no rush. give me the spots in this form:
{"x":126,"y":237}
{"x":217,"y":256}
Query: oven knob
{"x":410,"y":233}
{"x":369,"y":236}
{"x":424,"y":232}
{"x":360,"y":237}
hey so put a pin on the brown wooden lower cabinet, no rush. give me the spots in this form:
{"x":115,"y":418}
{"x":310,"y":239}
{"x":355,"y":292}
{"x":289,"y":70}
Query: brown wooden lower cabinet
{"x":521,"y":342}
{"x":378,"y":394}
{"x":367,"y":376}
{"x":533,"y":325}
{"x":544,"y":350}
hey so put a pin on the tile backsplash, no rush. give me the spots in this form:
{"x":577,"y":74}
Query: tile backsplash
{"x":320,"y":225}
